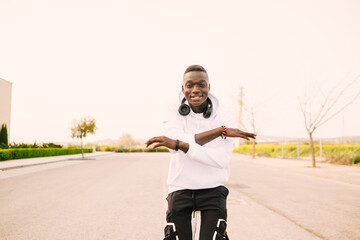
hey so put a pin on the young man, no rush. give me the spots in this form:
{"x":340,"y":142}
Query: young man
{"x":198,"y":132}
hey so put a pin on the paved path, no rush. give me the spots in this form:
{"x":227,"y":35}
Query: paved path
{"x":122,"y":196}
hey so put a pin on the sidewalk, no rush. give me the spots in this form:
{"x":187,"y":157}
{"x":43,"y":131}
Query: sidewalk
{"x":18,"y":163}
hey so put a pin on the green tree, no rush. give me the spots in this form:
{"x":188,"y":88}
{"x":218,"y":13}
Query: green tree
{"x":81,"y":128}
{"x":4,"y":141}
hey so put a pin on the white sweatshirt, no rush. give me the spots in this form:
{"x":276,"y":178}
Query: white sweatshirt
{"x":204,"y":166}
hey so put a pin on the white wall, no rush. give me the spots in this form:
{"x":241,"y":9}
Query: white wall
{"x":5,"y":103}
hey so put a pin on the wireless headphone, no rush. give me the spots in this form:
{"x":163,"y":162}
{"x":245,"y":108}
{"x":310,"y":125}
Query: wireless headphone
{"x":184,"y":109}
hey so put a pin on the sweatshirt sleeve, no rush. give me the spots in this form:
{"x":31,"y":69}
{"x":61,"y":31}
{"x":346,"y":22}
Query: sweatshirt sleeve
{"x":218,"y":156}
{"x":218,"y":152}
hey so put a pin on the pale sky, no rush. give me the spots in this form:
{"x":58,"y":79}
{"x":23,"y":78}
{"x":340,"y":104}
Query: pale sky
{"x":121,"y":61}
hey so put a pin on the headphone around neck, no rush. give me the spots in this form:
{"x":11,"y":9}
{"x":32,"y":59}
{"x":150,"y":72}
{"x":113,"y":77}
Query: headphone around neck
{"x":184,"y":109}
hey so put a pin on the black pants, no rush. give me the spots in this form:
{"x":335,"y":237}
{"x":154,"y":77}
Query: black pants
{"x":181,"y":207}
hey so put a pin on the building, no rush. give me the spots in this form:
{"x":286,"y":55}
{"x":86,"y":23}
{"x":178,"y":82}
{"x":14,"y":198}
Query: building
{"x":5,"y":103}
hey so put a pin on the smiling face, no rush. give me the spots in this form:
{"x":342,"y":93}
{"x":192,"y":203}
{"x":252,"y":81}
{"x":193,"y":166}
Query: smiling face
{"x":196,"y":89}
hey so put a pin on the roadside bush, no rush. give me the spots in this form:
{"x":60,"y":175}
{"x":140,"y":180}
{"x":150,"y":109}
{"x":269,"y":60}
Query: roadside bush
{"x":106,"y":148}
{"x":34,"y":145}
{"x":20,"y":145}
{"x":51,"y":145}
{"x":18,"y":153}
{"x":356,"y":159}
{"x":4,"y":136}
{"x":5,"y":155}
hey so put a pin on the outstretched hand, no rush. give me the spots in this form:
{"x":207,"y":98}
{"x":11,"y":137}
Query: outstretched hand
{"x":235,"y":132}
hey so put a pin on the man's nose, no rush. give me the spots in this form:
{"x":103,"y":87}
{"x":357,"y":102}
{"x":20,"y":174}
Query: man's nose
{"x":196,"y":89}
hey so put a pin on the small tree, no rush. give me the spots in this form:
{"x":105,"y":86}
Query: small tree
{"x":251,"y":116}
{"x":81,"y":127}
{"x":4,"y":142}
{"x":255,"y":120}
{"x":319,"y":107}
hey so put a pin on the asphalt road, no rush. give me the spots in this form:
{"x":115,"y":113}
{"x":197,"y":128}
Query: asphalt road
{"x":122,"y":196}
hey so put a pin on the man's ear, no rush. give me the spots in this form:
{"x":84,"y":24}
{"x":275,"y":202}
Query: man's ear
{"x":209,"y":86}
{"x":182,"y":88}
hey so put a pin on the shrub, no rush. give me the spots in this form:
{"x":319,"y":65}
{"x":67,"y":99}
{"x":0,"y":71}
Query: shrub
{"x":19,"y":145}
{"x":106,"y":148}
{"x":356,"y":159}
{"x":51,"y":145}
{"x":4,"y":136}
{"x":34,"y":145}
{"x":18,"y":153}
